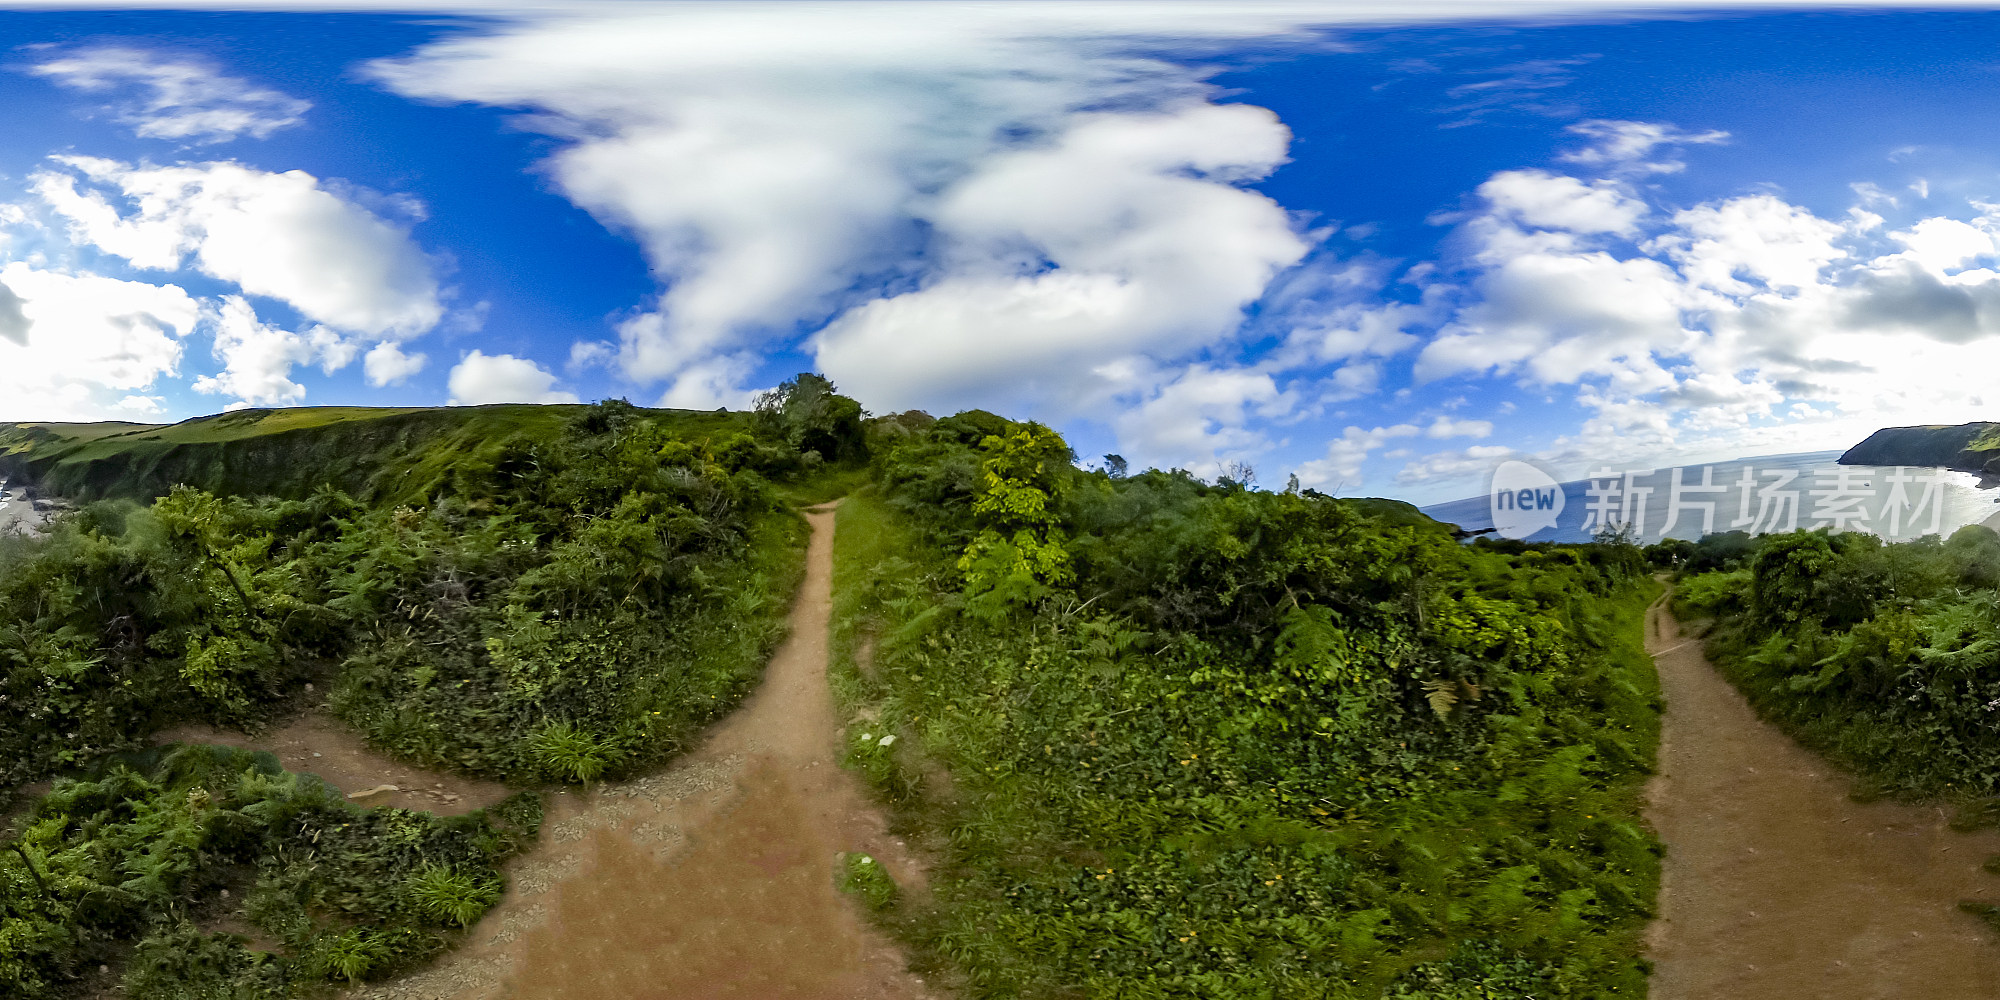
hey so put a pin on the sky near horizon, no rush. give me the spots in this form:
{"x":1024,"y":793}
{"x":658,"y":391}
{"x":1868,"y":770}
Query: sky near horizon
{"x":1304,"y":237}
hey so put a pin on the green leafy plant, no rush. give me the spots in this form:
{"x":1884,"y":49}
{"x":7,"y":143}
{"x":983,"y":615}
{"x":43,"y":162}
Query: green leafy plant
{"x":457,"y":897}
{"x":568,"y":754}
{"x":529,"y":593}
{"x":109,"y":867}
{"x":1018,"y":556}
{"x":865,"y":878}
{"x":349,"y":955}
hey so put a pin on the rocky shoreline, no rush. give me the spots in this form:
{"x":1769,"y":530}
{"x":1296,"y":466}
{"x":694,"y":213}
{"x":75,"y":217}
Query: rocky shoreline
{"x":22,"y":512}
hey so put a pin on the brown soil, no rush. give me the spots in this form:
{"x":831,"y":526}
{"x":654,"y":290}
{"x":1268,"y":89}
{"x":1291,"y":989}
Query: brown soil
{"x":319,"y":745}
{"x":711,"y":880}
{"x":1777,"y":884}
{"x":236,"y":923}
{"x":24,"y":800}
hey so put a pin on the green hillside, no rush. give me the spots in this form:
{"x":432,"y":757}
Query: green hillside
{"x":350,"y":545}
{"x":385,"y":453}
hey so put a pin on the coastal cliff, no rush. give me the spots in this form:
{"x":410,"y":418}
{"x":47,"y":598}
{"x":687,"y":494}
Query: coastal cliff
{"x":1973,"y":447}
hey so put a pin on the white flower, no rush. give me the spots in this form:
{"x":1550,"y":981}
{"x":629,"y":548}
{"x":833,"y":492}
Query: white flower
{"x":867,"y":736}
{"x":886,"y":740}
{"x":866,"y":860}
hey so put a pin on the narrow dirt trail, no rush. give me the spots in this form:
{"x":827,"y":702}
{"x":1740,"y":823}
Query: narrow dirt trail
{"x":319,"y":744}
{"x":713,"y":880}
{"x":1777,"y":885}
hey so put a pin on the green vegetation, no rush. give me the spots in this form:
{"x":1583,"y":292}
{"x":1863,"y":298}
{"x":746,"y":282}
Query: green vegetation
{"x":1171,"y":739}
{"x":138,"y":863}
{"x":1881,"y":656}
{"x":868,"y":881}
{"x":571,"y":608}
{"x":557,"y":594}
{"x":1181,"y":740}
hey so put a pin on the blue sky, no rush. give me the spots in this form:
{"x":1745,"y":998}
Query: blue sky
{"x":1384,"y":257}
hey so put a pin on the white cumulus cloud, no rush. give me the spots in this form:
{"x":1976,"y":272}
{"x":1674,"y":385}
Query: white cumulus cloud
{"x":89,"y":340}
{"x":258,"y":358}
{"x":387,"y":364}
{"x":503,"y":378}
{"x":1561,"y":314}
{"x":1941,"y":244}
{"x":1555,"y":201}
{"x":1120,"y":238}
{"x":1201,"y":418}
{"x":1741,"y":326}
{"x":280,"y":235}
{"x":1344,"y":455}
{"x":1734,"y":245}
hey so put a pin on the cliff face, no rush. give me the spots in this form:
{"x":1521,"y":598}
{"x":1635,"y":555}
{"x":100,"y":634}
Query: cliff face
{"x":1973,"y":447}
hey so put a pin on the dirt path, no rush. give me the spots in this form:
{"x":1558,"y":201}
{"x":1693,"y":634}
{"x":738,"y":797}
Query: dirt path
{"x":710,"y":881}
{"x":319,"y":745}
{"x":1777,"y":885}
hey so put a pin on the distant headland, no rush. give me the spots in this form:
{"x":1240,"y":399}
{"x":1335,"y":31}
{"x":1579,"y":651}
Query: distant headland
{"x":1973,"y":447}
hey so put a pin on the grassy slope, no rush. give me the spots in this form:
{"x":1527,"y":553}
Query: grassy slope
{"x":378,"y":453}
{"x":1391,"y":909}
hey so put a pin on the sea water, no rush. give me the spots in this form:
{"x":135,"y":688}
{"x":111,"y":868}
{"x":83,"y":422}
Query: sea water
{"x":1759,"y":495}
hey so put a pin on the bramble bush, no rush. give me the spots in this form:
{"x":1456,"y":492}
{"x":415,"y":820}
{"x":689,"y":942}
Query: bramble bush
{"x":1251,"y":744}
{"x":123,"y":620}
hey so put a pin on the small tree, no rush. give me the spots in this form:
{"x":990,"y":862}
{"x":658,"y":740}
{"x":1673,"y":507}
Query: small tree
{"x":1785,"y":575}
{"x":1019,"y":555}
{"x":809,"y":414}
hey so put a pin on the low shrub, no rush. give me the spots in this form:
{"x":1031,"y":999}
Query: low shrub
{"x":133,"y":865}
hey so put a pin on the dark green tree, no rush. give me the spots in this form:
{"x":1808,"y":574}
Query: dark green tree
{"x":810,"y":414}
